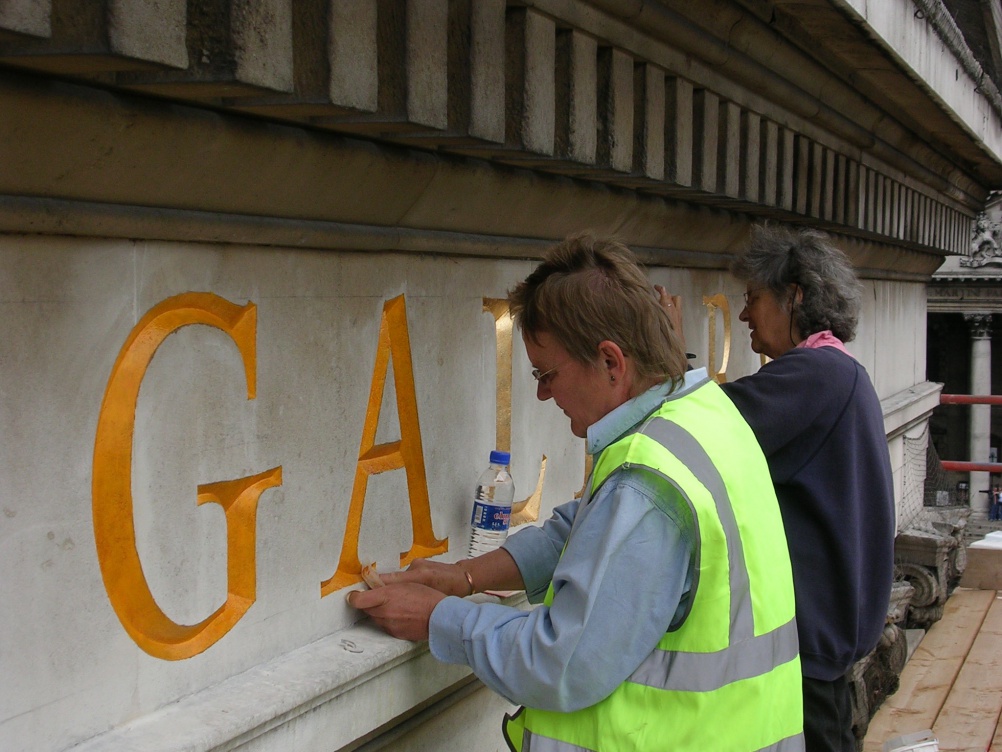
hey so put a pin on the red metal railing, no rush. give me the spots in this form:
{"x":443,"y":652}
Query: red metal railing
{"x":971,"y":399}
{"x":971,"y":467}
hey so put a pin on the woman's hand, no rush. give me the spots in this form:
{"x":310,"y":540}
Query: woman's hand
{"x":449,"y":579}
{"x":673,"y":307}
{"x":402,"y":610}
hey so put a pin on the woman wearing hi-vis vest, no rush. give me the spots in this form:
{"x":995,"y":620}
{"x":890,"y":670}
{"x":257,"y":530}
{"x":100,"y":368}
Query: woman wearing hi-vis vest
{"x":666,"y":616}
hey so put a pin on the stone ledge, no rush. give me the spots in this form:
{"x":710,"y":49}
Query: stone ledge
{"x":910,"y":406}
{"x":360,"y":669}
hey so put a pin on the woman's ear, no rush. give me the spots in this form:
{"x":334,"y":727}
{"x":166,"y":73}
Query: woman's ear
{"x":612,"y":360}
{"x":796,"y":297}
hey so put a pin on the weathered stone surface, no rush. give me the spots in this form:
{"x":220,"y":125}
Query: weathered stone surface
{"x":530,"y":82}
{"x":151,"y":30}
{"x":751,"y":150}
{"x":706,"y":140}
{"x":616,"y":110}
{"x":729,"y":155}
{"x":94,"y":38}
{"x":423,"y":73}
{"x":787,"y":167}
{"x":679,"y":142}
{"x":427,"y":48}
{"x":487,"y":78}
{"x":650,"y":103}
{"x":576,"y":90}
{"x":27,"y":17}
{"x":354,"y":79}
{"x":238,"y":49}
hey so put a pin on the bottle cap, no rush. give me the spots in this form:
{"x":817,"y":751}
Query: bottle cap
{"x":500,"y":458}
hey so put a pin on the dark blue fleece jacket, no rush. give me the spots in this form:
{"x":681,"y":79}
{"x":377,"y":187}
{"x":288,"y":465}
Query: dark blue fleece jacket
{"x":820,"y":424}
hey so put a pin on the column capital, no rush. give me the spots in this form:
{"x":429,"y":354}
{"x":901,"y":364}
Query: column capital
{"x":980,"y":324}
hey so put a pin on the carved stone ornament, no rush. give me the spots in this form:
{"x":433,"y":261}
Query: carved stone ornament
{"x":980,"y":324}
{"x":984,"y":244}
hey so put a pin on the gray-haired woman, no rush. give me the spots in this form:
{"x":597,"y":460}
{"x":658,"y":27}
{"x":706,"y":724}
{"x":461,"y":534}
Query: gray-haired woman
{"x":802,"y":291}
{"x":820,"y":424}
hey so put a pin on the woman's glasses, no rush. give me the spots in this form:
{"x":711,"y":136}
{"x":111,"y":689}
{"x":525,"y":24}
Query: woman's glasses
{"x":748,"y":297}
{"x":545,"y":377}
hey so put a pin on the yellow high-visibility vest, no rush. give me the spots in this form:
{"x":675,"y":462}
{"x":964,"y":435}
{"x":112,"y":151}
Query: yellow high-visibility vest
{"x":728,"y":678}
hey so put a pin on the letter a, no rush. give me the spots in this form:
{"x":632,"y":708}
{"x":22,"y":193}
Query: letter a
{"x":394,"y":342}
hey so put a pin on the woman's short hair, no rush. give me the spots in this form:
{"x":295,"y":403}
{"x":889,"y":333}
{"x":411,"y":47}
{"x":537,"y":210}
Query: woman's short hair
{"x":777,"y":257}
{"x":588,"y":290}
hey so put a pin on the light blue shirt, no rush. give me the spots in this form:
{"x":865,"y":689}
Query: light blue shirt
{"x":623,"y":580}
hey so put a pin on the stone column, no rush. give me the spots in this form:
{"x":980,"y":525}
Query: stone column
{"x":981,"y":417}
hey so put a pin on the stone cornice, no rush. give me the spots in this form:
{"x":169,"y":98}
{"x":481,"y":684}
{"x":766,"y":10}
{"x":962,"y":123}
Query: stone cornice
{"x":730,"y":114}
{"x":967,"y":297}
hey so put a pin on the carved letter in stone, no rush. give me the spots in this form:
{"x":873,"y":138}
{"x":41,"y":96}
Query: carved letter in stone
{"x":406,"y":454}
{"x":712,"y":304}
{"x":114,"y":526}
{"x":526,"y":510}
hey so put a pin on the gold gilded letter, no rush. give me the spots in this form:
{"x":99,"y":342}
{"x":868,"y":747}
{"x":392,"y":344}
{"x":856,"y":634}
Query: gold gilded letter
{"x":114,"y":526}
{"x":526,"y":510}
{"x":713,"y":303}
{"x":239,"y":499}
{"x":395,"y":342}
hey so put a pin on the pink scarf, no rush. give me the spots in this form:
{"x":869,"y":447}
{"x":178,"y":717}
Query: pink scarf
{"x":825,"y":339}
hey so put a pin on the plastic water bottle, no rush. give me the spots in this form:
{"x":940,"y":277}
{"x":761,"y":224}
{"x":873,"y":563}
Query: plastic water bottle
{"x":492,"y":505}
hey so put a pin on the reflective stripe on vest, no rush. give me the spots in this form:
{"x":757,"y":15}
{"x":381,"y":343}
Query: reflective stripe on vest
{"x":747,"y":655}
{"x":721,"y":680}
{"x":705,"y":672}
{"x":535,"y":743}
{"x":693,"y":456}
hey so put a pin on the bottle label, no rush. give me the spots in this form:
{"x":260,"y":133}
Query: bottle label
{"x":490,"y":517}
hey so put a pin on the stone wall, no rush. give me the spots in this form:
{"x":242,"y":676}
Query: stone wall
{"x":80,"y":659}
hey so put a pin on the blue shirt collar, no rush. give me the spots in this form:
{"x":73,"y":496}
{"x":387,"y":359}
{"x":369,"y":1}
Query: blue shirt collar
{"x":615,"y":423}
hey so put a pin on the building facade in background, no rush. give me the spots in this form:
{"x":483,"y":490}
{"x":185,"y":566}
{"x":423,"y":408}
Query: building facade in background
{"x":253,"y":259}
{"x":965,"y":298}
